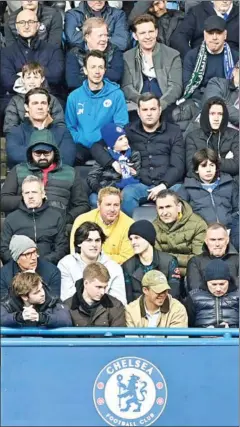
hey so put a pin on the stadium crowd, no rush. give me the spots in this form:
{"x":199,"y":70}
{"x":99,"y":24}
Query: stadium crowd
{"x":120,"y":125}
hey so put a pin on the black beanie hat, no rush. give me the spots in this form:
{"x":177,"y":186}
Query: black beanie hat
{"x":144,"y":229}
{"x":217,"y":269}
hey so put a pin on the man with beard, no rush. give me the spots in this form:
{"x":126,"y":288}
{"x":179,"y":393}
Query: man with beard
{"x":37,"y":105}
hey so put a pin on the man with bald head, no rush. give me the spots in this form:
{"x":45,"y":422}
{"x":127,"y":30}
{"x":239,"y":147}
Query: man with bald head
{"x":29,"y":48}
{"x":50,"y":22}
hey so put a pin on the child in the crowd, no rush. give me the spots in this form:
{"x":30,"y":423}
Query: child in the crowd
{"x":118,"y":147}
{"x":32,"y":76}
{"x":212,"y":194}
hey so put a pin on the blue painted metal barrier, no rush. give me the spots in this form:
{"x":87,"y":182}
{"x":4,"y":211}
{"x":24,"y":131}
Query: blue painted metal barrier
{"x":122,"y":377}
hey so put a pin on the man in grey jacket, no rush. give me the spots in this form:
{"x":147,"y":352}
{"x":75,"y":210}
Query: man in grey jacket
{"x":151,"y":66}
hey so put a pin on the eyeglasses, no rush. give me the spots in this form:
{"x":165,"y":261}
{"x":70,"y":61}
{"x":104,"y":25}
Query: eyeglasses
{"x":24,"y":23}
{"x":29,"y":255}
{"x":42,"y":153}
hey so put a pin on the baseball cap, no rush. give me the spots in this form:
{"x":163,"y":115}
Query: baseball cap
{"x":155,"y":280}
{"x":214,"y":22}
{"x":42,"y":147}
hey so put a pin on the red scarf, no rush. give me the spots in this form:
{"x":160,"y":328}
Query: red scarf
{"x":45,"y":173}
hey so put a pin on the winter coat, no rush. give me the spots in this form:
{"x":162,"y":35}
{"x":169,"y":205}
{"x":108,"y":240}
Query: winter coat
{"x":115,"y":19}
{"x":48,"y":272}
{"x":108,"y":313}
{"x":204,"y":309}
{"x":189,"y":34}
{"x":50,"y":57}
{"x":168,"y":68}
{"x":225,"y":142}
{"x":173,"y":314}
{"x":52,"y":313}
{"x":117,"y":245}
{"x":197,"y":265}
{"x":162,"y":153}
{"x":218,"y":205}
{"x":64,"y":188}
{"x":72,"y":266}
{"x":133,"y":272}
{"x":87,"y":112}
{"x":44,"y":225}
{"x":74,"y":66}
{"x":50,"y":30}
{"x":100,"y":177}
{"x":17,"y":141}
{"x":15,"y":112}
{"x":184,"y":238}
{"x":226,"y":90}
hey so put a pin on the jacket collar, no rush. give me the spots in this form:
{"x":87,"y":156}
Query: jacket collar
{"x":105,"y":301}
{"x":138,"y":271}
{"x":137,"y":127}
{"x":164,"y":308}
{"x":229,"y":251}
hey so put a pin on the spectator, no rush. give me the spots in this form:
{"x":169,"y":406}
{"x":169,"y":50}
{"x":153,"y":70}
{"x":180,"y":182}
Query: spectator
{"x":216,"y":303}
{"x":37,"y":104}
{"x":30,"y":304}
{"x":115,"y":19}
{"x":214,"y":58}
{"x":90,"y":305}
{"x":32,"y":76}
{"x":151,"y":66}
{"x":93,"y":105}
{"x":216,"y":245}
{"x":88,"y":242}
{"x":95,"y":34}
{"x":142,"y":236}
{"x":50,"y":23}
{"x":212,"y":195}
{"x":228,"y":90}
{"x":62,"y":183}
{"x":156,"y":308}
{"x":119,"y":149}
{"x":24,"y":256}
{"x":37,"y":220}
{"x":234,"y":236}
{"x":167,"y":19}
{"x":215,"y":134}
{"x":114,"y":223}
{"x":189,"y":34}
{"x":27,"y":48}
{"x":162,"y":153}
{"x":179,"y":231}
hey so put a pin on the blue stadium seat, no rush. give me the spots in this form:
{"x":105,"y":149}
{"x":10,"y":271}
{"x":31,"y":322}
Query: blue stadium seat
{"x":146,"y":211}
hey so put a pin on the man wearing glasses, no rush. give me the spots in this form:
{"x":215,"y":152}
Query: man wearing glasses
{"x":24,"y":256}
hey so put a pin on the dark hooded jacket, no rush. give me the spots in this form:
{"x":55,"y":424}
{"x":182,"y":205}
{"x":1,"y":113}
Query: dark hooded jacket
{"x":204,"y":309}
{"x":189,"y":34}
{"x":50,"y":30}
{"x":64,"y":188}
{"x":218,"y":205}
{"x":108,"y":312}
{"x":52,"y":313}
{"x":74,"y":65}
{"x":44,"y":225}
{"x":115,"y":19}
{"x":197,"y":265}
{"x":18,"y":139}
{"x":225,"y":142}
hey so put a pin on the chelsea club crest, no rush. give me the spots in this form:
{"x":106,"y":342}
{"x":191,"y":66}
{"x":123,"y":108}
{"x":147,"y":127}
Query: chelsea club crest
{"x":130,"y":391}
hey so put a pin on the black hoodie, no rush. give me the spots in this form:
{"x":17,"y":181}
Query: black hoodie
{"x":225,"y":141}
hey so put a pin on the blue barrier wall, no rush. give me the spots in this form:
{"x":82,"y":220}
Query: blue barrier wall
{"x":119,"y":381}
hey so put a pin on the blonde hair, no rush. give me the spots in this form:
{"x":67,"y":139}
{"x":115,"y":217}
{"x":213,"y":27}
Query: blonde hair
{"x":91,"y":23}
{"x":25,"y":282}
{"x":96,"y":270}
{"x":108,"y":191}
{"x":33,"y":178}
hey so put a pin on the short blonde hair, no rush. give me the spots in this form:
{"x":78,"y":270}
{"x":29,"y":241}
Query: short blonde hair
{"x":90,"y":23}
{"x":96,"y":270}
{"x":25,"y":282}
{"x":33,"y":178}
{"x":108,"y":191}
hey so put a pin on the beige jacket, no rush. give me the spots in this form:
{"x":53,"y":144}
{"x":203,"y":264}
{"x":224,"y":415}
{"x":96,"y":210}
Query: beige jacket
{"x":173,"y":314}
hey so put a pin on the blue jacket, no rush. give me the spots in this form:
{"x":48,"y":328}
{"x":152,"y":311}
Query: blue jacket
{"x":50,"y":274}
{"x":17,"y":141}
{"x":19,"y":53}
{"x":87,"y":113}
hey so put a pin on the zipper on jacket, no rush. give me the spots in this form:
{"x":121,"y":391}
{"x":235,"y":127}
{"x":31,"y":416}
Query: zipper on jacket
{"x":217,"y":310}
{"x":213,"y":203}
{"x":34,"y":226}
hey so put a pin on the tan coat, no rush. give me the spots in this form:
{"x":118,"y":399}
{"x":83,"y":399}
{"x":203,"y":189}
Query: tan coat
{"x":173,"y":314}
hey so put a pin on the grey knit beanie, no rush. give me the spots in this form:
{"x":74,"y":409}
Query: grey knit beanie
{"x":20,"y":244}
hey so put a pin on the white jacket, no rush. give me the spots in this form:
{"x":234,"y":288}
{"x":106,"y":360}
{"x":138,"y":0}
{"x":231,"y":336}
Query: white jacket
{"x":72,"y":266}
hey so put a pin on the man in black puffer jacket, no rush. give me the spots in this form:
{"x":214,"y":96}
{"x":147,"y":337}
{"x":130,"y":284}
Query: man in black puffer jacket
{"x":37,"y":220}
{"x":216,"y":303}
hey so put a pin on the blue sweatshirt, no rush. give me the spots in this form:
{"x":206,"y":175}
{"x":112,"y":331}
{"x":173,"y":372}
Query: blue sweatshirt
{"x":86,"y":112}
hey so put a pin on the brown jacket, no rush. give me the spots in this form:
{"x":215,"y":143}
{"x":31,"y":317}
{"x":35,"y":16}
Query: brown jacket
{"x":173,"y":314}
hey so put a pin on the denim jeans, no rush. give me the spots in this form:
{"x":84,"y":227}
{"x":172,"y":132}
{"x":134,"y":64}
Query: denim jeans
{"x":93,"y":200}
